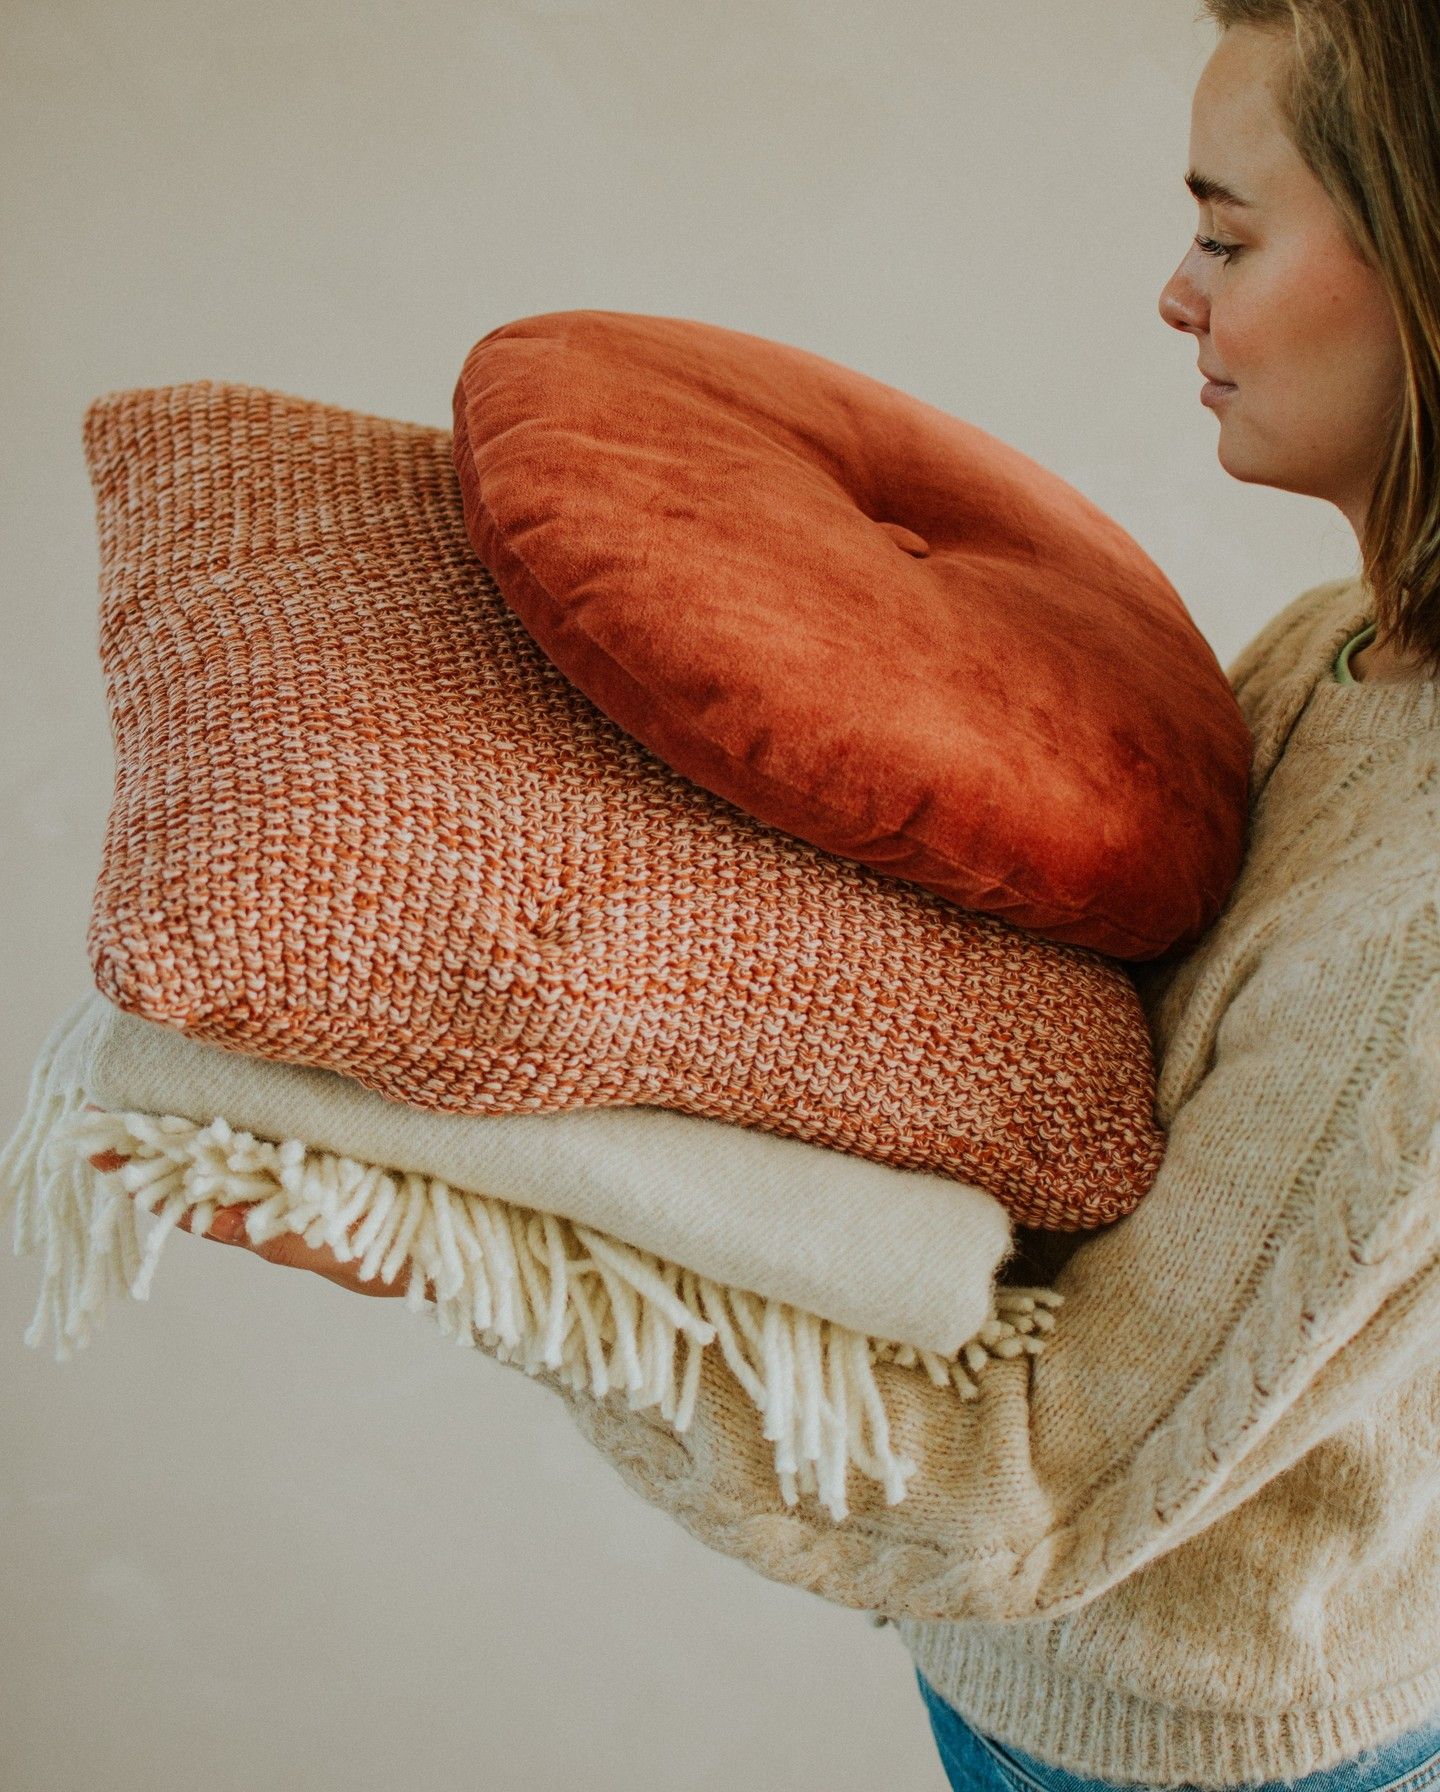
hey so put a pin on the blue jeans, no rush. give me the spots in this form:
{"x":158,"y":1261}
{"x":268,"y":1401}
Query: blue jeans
{"x":977,"y":1763}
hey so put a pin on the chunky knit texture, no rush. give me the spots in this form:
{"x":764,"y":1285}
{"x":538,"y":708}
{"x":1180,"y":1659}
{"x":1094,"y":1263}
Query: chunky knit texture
{"x":362,"y":823}
{"x":1197,"y":1538}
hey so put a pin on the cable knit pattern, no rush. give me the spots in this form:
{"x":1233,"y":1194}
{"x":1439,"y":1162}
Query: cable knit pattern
{"x":362,"y":823}
{"x":1197,"y":1539}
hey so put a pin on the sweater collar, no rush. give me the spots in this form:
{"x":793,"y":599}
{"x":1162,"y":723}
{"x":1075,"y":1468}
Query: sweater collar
{"x":1366,"y":710}
{"x":1308,"y":707}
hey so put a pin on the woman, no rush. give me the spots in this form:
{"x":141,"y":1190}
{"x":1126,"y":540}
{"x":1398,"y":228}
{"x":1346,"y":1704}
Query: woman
{"x":1196,"y":1542}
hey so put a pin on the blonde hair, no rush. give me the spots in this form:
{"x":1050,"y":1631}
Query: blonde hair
{"x":1360,"y":96}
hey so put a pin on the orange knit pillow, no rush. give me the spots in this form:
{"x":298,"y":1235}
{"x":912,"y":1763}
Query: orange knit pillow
{"x":362,"y":822}
{"x":860,"y":619}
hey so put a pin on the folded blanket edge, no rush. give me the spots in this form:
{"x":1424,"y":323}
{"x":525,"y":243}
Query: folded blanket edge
{"x":528,"y":1287}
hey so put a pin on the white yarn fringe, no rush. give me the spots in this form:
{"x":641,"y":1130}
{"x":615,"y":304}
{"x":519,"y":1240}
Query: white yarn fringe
{"x":529,"y":1287}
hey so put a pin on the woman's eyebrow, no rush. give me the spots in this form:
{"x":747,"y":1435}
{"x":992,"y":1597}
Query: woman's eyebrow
{"x":1214,"y":192}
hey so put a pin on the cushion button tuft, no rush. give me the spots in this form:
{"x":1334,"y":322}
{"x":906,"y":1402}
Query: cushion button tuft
{"x":907,"y":539}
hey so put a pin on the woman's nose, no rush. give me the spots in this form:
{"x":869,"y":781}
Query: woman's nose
{"x":1182,"y":303}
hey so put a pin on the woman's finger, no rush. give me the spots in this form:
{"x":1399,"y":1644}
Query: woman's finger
{"x":291,"y":1251}
{"x":288,"y":1249}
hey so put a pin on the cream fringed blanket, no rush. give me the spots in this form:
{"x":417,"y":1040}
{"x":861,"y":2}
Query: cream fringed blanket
{"x":586,"y":1242}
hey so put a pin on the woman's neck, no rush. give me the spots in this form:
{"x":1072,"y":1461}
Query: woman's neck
{"x":1380,"y":663}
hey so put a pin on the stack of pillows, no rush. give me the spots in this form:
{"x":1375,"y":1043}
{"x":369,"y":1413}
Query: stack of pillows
{"x":657,"y":861}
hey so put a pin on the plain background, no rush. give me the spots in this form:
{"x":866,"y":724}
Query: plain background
{"x":264,"y":1531}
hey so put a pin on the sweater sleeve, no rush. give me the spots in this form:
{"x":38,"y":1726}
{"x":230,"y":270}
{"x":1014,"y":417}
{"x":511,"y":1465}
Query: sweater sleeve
{"x":1256,"y":1299}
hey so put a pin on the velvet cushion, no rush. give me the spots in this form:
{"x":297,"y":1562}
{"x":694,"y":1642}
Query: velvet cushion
{"x":860,"y":619}
{"x":362,"y":822}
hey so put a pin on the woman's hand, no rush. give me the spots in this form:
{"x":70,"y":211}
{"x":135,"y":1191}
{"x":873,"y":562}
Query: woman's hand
{"x":227,"y":1226}
{"x":290,"y":1249}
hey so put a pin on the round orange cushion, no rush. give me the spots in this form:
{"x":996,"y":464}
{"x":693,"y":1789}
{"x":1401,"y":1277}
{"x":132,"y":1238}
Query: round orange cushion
{"x":862,"y":620}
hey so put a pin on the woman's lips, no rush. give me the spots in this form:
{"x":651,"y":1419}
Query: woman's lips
{"x":1214,"y":390}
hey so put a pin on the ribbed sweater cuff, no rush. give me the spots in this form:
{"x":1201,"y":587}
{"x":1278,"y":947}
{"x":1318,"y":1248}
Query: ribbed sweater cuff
{"x":1104,"y":1732}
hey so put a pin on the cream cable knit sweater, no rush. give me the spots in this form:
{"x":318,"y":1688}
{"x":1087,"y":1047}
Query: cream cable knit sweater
{"x":1197,"y":1539}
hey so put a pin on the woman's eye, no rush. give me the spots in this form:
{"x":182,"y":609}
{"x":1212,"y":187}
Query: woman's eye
{"x":1211,"y":247}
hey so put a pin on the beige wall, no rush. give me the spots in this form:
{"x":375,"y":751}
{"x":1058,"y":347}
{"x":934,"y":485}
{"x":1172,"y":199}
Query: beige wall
{"x":264,"y":1530}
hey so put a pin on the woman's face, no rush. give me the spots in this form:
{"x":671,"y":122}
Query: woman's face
{"x":1302,"y":328}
